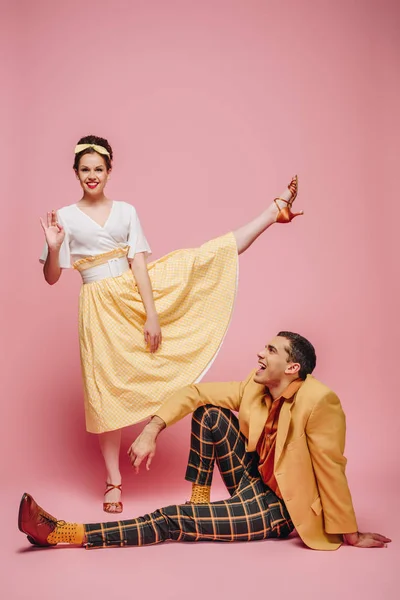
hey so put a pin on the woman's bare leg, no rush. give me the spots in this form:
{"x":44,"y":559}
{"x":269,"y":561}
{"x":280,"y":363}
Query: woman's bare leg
{"x":110,"y":444}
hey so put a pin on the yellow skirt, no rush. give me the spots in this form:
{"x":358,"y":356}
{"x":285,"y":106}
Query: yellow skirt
{"x":194,"y":292}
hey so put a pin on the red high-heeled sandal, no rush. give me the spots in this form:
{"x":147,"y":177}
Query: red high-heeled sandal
{"x":285,"y":214}
{"x":112,"y":507}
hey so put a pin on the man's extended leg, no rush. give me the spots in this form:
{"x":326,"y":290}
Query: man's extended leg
{"x":253,"y":513}
{"x":215,"y":435}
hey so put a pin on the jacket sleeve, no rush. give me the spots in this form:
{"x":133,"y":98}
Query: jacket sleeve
{"x":187,"y":399}
{"x":326,"y":433}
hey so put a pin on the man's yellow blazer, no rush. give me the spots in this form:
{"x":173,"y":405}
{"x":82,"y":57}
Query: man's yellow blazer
{"x":309,"y":461}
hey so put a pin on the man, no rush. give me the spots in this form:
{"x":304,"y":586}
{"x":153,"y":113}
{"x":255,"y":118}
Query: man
{"x":281,"y":460}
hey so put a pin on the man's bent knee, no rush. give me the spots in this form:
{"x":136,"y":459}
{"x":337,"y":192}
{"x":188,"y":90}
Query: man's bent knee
{"x":209,"y":412}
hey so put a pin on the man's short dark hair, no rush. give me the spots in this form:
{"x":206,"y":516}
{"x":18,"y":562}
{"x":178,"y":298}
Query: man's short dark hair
{"x":300,"y":351}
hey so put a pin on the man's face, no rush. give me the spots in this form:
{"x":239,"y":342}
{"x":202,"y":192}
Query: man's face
{"x":273,"y":362}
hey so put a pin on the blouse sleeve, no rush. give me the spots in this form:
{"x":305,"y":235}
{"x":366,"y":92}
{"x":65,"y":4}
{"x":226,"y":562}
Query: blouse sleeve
{"x":65,"y":254}
{"x":136,"y":239}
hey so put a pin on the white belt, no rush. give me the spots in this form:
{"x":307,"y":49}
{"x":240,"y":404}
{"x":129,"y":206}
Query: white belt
{"x":112,"y":268}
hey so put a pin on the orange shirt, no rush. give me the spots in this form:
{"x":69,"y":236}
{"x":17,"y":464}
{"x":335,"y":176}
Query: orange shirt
{"x":267,"y":441}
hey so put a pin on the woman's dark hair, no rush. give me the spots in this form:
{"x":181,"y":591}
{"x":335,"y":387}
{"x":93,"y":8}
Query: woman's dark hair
{"x":99,"y":141}
{"x":300,"y":351}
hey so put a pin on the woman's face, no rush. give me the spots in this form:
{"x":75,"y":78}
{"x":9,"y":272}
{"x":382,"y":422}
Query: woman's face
{"x":92,"y":174}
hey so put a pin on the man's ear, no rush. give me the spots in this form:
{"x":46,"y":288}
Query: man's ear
{"x":293,"y":368}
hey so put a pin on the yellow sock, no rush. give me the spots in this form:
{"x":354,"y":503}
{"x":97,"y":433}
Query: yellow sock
{"x":67,"y":533}
{"x":200,"y":494}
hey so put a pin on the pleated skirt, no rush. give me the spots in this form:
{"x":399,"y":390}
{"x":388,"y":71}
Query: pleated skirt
{"x":194,"y":292}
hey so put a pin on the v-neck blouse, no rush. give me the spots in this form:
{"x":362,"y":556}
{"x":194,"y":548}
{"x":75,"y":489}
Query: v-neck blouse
{"x":84,"y":237}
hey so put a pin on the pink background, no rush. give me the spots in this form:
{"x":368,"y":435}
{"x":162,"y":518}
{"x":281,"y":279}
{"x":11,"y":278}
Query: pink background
{"x":210,"y":106}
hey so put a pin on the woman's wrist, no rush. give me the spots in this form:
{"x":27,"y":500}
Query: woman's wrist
{"x":152,"y":314}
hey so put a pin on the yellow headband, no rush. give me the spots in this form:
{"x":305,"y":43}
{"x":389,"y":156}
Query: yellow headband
{"x":99,"y":149}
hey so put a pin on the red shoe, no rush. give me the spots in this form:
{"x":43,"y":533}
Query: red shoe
{"x":113,"y":507}
{"x":35,"y":522}
{"x":285,"y":214}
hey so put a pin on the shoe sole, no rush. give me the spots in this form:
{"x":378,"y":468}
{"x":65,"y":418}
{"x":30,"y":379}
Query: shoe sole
{"x":24,"y":497}
{"x":32,"y":541}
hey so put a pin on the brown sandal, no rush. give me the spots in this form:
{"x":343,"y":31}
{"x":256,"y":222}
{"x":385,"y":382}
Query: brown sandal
{"x":112,"y":507}
{"x":285,"y":214}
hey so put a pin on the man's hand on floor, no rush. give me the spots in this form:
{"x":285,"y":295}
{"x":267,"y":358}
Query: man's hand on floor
{"x":366,"y":540}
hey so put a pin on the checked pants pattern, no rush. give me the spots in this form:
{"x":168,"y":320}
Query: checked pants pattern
{"x":253,"y":511}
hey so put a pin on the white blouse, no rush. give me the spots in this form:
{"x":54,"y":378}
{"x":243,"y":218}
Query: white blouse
{"x":84,"y":237}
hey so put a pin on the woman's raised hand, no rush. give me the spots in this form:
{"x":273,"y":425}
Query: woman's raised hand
{"x":53,"y":231}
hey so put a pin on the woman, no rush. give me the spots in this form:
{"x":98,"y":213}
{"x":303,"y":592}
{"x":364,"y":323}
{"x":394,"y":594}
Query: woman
{"x":190,"y":293}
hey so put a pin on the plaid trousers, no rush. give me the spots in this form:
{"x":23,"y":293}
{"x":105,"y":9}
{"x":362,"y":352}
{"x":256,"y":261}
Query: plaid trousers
{"x":253,"y":511}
